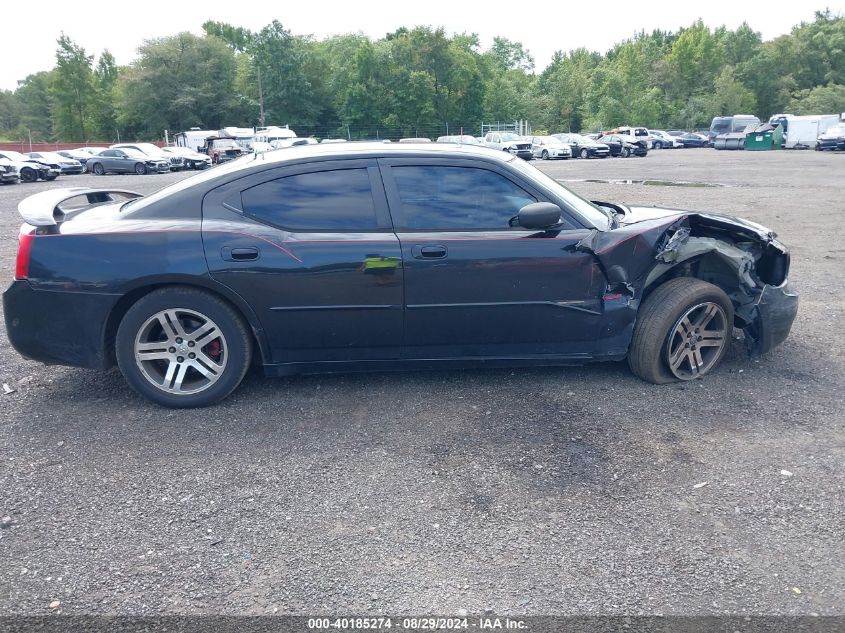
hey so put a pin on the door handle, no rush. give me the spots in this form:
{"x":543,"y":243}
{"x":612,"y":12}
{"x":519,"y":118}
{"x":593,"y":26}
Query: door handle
{"x":244,"y":254}
{"x":431,"y":251}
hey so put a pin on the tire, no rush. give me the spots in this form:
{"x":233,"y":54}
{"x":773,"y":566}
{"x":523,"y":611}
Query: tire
{"x":99,"y":170}
{"x":545,"y":155}
{"x":585,"y":153}
{"x":175,"y":378}
{"x":51,"y":177}
{"x":28,"y":175}
{"x":658,"y":145}
{"x":140,"y":169}
{"x":660,"y":331}
{"x":626,"y":153}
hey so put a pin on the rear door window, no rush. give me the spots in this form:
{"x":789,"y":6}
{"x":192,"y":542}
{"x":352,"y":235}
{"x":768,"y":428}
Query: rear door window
{"x":335,"y":200}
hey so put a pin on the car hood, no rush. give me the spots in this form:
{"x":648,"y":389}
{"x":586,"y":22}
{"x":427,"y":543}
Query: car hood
{"x":832,"y":134}
{"x":635,"y":215}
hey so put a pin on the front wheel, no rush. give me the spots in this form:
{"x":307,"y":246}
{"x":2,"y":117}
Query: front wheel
{"x":626,"y":153}
{"x":585,"y":153}
{"x":682,"y":332}
{"x":183,"y":347}
{"x":545,"y":155}
{"x":140,"y":169}
{"x":658,"y":145}
{"x":28,"y":174}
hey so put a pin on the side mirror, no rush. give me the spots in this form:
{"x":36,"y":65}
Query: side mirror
{"x":539,"y":215}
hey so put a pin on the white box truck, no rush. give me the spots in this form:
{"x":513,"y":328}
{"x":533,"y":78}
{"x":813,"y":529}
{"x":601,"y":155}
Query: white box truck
{"x":802,"y":132}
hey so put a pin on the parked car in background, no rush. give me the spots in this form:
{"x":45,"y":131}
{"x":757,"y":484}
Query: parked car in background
{"x":66,"y":165}
{"x":583,"y":146}
{"x":547,"y":147}
{"x":624,"y":146}
{"x":639,"y":133}
{"x":30,"y":169}
{"x":126,"y":160}
{"x":223,"y":148}
{"x":8,"y":172}
{"x":694,"y":139}
{"x":192,"y":159}
{"x":328,"y":258}
{"x":730,"y":125}
{"x":334,"y":140}
{"x":832,"y":139}
{"x":661,"y":139}
{"x":76,"y":154}
{"x":460,"y":139}
{"x":175,"y":161}
{"x":509,"y":142}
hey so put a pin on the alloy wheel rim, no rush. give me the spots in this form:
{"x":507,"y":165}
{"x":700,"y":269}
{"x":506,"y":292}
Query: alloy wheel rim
{"x":181,"y":351}
{"x":696,"y":341}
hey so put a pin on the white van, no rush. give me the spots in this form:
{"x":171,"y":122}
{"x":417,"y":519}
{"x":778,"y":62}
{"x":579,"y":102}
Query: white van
{"x":273,"y":133}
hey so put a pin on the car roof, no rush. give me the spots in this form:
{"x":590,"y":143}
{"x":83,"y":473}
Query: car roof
{"x":381,"y":150}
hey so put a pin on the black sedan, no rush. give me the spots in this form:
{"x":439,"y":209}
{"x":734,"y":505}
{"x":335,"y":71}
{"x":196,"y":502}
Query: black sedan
{"x":126,"y":161}
{"x":624,"y":146}
{"x":584,"y":146}
{"x":373,"y":257}
{"x":691,"y":139}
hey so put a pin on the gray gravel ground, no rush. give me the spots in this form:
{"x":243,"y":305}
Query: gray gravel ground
{"x":544,"y":491}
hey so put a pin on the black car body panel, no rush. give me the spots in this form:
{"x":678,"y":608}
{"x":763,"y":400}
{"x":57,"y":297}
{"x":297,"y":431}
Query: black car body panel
{"x":394,"y":294}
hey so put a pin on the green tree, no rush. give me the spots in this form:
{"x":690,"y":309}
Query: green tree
{"x":103,"y":113}
{"x":828,"y":99}
{"x":33,"y":94}
{"x":177,"y":82}
{"x":72,"y":90}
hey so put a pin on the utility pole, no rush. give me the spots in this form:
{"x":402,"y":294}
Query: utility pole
{"x":260,"y":99}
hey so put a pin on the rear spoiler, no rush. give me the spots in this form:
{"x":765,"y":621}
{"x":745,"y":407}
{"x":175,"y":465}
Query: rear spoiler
{"x":42,"y":209}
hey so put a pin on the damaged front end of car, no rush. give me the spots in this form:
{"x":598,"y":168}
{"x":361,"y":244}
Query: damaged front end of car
{"x":742,"y":258}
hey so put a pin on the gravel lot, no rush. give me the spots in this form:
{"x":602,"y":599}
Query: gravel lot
{"x":547,"y":491}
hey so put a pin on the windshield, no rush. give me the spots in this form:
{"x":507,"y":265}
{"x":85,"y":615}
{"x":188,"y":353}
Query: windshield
{"x":510,"y":136}
{"x":134,"y":153}
{"x":226,"y":144}
{"x":51,"y":156}
{"x":721,"y":124}
{"x":549,"y":140}
{"x":182,"y":151}
{"x":584,"y":207}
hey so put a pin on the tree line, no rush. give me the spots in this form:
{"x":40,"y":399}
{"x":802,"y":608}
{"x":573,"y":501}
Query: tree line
{"x":422,"y":81}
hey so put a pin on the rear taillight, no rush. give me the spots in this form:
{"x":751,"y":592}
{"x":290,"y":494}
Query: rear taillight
{"x":25,"y":241}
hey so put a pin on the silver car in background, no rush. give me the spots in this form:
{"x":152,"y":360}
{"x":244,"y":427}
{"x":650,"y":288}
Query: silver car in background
{"x":547,"y":147}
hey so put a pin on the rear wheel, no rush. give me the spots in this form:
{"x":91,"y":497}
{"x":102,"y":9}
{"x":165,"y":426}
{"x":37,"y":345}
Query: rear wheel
{"x":183,"y":347}
{"x":585,"y":153}
{"x":682,"y":332}
{"x":99,"y":170}
{"x":140,"y":169}
{"x":545,"y":155}
{"x":658,"y":145}
{"x":626,"y":153}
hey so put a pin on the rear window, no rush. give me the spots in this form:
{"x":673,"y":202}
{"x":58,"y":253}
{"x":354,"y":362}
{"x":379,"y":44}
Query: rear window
{"x":336,"y":200}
